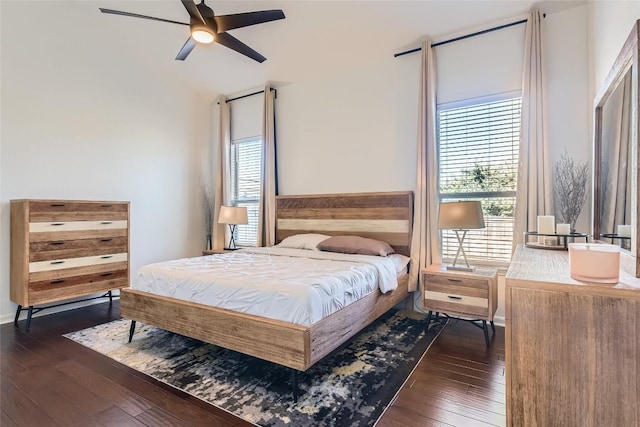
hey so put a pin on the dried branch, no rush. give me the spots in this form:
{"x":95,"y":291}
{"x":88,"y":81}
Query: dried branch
{"x":571,"y":181}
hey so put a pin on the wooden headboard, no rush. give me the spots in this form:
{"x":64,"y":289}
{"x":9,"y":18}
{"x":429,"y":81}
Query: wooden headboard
{"x":384,"y":216}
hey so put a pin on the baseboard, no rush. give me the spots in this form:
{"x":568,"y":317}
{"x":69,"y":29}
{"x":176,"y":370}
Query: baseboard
{"x":8,"y":318}
{"x":498,"y":321}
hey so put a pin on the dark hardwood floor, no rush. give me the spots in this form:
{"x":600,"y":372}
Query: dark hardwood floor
{"x":47,"y":380}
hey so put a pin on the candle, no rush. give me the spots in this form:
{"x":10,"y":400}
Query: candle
{"x":594,"y":262}
{"x":624,"y":231}
{"x":546,"y":225}
{"x":563,"y":228}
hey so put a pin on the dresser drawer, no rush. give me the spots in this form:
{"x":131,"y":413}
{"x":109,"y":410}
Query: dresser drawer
{"x":60,"y":289}
{"x":63,"y":273}
{"x":60,"y":264}
{"x":59,"y":226}
{"x":61,"y":249}
{"x":76,"y":211}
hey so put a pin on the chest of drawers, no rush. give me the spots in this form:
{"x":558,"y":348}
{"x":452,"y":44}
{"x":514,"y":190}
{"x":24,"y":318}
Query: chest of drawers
{"x":63,"y":249}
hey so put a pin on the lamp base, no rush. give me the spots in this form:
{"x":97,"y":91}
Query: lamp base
{"x":460,"y":268}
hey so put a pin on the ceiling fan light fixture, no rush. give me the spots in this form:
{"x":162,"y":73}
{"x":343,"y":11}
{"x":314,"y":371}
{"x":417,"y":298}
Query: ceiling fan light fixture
{"x":202,"y":35}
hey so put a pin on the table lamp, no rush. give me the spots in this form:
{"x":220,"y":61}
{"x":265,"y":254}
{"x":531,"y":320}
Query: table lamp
{"x":232,"y":215}
{"x":460,"y":217}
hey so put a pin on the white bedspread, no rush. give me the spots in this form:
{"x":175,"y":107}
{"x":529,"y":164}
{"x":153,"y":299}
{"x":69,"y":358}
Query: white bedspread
{"x":293,"y":285}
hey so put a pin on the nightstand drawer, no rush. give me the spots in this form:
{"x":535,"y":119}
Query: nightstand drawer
{"x":437,"y":280}
{"x":452,"y":302}
{"x":477,"y":288}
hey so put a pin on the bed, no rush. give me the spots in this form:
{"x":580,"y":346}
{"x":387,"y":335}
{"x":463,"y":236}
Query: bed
{"x":385,"y":216}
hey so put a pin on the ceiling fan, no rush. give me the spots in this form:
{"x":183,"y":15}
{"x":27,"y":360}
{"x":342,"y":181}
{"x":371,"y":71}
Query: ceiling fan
{"x":206,"y":27}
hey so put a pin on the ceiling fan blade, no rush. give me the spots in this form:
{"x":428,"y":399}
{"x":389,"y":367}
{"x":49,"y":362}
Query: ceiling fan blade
{"x":193,"y":10}
{"x":231,"y":42}
{"x":239,"y":20}
{"x":135,"y":15}
{"x":186,"y":49}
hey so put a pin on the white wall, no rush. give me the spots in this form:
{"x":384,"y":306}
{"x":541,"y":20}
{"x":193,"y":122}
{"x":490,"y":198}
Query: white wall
{"x":567,"y":89}
{"x":609,"y":25}
{"x":82,"y":120}
{"x":349,"y":132}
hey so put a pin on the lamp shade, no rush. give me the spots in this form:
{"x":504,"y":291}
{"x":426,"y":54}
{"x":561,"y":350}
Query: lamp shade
{"x":233,"y":215}
{"x":465,"y":215}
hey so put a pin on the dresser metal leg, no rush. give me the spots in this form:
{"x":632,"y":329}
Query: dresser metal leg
{"x":486,"y":332}
{"x":493,"y":327}
{"x":29,"y":315}
{"x":110,"y":297}
{"x":15,"y":321}
{"x":132,"y":329}
{"x":429,"y":319}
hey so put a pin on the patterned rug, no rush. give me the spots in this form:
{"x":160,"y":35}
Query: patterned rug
{"x":352,"y":386}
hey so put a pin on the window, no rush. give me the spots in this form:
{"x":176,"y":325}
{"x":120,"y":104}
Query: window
{"x":478,"y":158}
{"x":246,"y":156}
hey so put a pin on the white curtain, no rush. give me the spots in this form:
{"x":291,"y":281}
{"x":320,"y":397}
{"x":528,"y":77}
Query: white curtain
{"x":267,"y":207}
{"x":223,"y":173}
{"x":425,"y":242}
{"x":534,"y":194}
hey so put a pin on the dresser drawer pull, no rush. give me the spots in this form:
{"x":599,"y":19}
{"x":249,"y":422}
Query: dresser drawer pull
{"x":106,"y":240}
{"x":56,"y":243}
{"x":57,"y":223}
{"x":106,"y":274}
{"x":106,"y":206}
{"x":454,"y":297}
{"x":57,"y":205}
{"x":57,"y":262}
{"x":56,"y":282}
{"x":106,"y":256}
{"x":106,"y":222}
{"x":454,"y":280}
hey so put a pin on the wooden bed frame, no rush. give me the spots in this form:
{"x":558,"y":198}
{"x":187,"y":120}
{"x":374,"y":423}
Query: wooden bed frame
{"x":384,"y":216}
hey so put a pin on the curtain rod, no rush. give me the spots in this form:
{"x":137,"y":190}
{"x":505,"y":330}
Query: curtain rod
{"x":250,"y":94}
{"x":455,"y":39}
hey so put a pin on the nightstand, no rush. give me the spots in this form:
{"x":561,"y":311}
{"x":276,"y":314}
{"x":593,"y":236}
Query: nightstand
{"x":471,"y":296}
{"x":216,"y":251}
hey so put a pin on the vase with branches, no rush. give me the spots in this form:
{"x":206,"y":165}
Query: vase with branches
{"x":571,"y":180}
{"x":207,"y":206}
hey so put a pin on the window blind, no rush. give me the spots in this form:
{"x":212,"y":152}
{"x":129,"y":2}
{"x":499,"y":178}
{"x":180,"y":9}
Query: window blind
{"x":246,"y":156}
{"x":478,"y":159}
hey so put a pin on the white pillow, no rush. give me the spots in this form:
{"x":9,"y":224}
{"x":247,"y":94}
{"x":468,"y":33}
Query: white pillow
{"x":400,"y":262}
{"x":303,"y":241}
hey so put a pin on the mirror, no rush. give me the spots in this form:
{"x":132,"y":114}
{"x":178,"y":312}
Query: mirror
{"x":615,"y":191}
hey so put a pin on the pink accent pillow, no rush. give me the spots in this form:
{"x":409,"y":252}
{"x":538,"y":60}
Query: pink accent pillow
{"x":355,"y":245}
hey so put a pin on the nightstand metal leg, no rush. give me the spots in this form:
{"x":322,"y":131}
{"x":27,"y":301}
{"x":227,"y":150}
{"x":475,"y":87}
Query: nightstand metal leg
{"x":486,"y":332}
{"x":15,"y":320}
{"x":493,"y":327}
{"x":429,"y":319}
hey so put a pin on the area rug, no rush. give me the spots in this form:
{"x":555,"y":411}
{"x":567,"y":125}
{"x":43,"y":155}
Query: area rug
{"x":352,"y":386}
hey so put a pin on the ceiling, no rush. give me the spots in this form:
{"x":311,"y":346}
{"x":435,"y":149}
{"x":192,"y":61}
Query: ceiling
{"x":317,"y":37}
